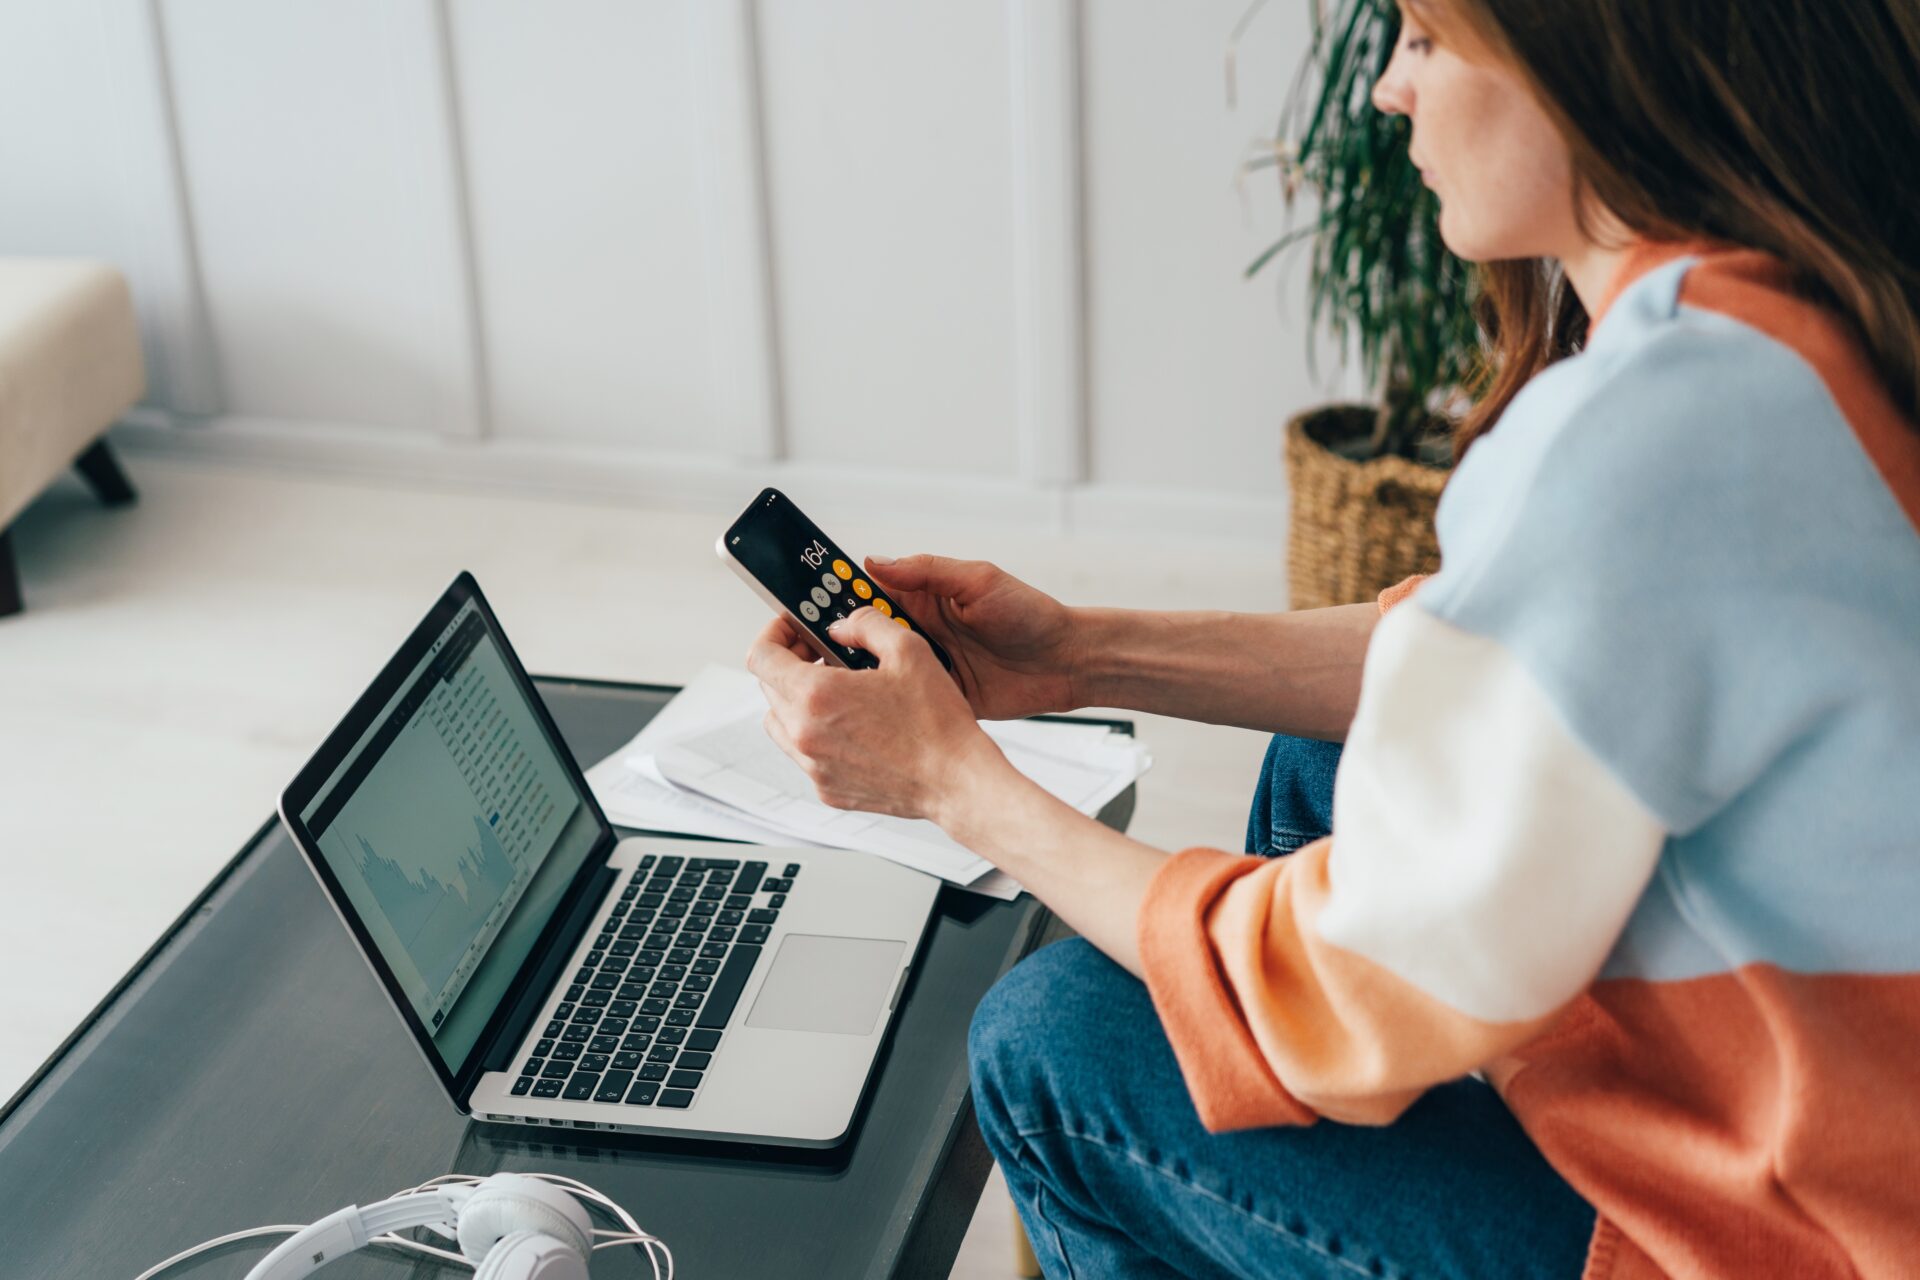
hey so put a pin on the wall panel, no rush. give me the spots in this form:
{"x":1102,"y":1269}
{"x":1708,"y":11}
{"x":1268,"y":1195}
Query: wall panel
{"x":889,"y":137}
{"x":314,"y":137}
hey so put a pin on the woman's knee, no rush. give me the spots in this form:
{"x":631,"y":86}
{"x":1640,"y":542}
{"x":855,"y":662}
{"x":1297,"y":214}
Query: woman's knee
{"x":1056,"y":1024}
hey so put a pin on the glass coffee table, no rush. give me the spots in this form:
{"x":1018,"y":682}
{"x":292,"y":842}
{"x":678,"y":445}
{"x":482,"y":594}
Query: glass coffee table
{"x":248,"y":1070}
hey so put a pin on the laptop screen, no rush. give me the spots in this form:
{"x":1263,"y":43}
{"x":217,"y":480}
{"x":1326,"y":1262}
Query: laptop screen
{"x":453,"y":827}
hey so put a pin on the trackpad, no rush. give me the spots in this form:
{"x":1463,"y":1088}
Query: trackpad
{"x":827,"y":984}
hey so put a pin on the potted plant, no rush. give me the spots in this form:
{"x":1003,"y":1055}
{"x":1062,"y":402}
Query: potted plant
{"x":1365,"y":478}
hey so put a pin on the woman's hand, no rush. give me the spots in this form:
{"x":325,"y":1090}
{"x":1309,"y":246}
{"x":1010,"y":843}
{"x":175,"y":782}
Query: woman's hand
{"x":1013,"y":647}
{"x":891,"y":739}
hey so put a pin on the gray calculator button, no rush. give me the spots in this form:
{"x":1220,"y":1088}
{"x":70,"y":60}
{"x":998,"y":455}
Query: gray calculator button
{"x":821,"y":598}
{"x":831,"y":581}
{"x":809,"y":611}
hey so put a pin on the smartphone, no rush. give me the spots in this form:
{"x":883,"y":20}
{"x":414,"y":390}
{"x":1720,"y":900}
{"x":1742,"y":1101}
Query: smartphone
{"x":804,"y":574}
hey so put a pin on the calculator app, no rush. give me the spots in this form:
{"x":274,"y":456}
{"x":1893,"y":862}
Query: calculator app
{"x":820,"y":583}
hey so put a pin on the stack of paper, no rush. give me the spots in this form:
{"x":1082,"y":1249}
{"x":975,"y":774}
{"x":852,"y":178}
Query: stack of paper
{"x":705,"y":766}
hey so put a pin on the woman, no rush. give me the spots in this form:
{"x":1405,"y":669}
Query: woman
{"x":1609,"y":958}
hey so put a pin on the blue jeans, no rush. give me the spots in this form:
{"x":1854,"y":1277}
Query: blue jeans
{"x":1085,"y":1110}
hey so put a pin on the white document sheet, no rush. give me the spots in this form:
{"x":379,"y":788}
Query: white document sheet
{"x":704,"y":766}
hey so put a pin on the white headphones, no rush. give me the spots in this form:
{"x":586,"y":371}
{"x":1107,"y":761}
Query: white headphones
{"x":510,"y":1226}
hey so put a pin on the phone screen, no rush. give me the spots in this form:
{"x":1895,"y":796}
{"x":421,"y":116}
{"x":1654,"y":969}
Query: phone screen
{"x":810,"y":575}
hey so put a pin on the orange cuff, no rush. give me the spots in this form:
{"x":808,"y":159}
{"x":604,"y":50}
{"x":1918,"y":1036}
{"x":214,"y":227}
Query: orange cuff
{"x":1399,"y":591}
{"x":1227,"y":1075}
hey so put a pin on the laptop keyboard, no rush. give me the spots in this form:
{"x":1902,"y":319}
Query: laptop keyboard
{"x":643,"y":1016}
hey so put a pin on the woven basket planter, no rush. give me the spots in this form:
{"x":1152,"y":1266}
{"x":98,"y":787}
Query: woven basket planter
{"x":1355,"y":528}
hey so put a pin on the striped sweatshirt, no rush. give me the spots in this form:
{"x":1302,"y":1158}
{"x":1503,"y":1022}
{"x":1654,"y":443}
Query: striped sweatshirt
{"x":1629,"y":813}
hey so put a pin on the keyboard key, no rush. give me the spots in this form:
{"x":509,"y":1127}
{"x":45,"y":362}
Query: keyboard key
{"x":657,"y":956}
{"x":762,"y":916}
{"x":594,"y":958}
{"x":623,"y":948}
{"x":605,"y":981}
{"x":567,"y":1051}
{"x":622,"y":1009}
{"x":653,"y":1071}
{"x":642,"y":1094}
{"x":628,"y":1061}
{"x":632,"y":991}
{"x":777,"y":900}
{"x":708,"y":967}
{"x":713,"y":893}
{"x":688,"y":1000}
{"x":732,"y":917}
{"x":593,"y":1062}
{"x":627,"y":893}
{"x":554,"y":1028}
{"x":749,"y":880}
{"x":680,"y":1018}
{"x":651,"y":901}
{"x":580,"y":1088}
{"x":672,"y":1035}
{"x":533,"y":1066}
{"x":662,"y":1053}
{"x":705,"y":908}
{"x":613,"y":1086}
{"x":646,"y":1024}
{"x":721,"y":933}
{"x":726,"y":990}
{"x":557,"y":1070}
{"x":738,"y":902}
{"x":673,"y":911}
{"x":581,"y":977}
{"x":543,"y":1048}
{"x":613,"y":1026}
{"x":547,"y":1088}
{"x":603,"y":1043}
{"x":672,"y":972}
{"x":699,"y":982}
{"x":694,"y":1061}
{"x":670,"y":865}
{"x":653,"y":1006}
{"x":563,"y":1011}
{"x":663,"y":990}
{"x":684,"y":1080}
{"x":614,"y":964}
{"x":754,"y":933}
{"x":645,"y":862}
{"x":776,"y":886}
{"x":793,"y":869}
{"x":676,"y":1098}
{"x":634,"y":932}
{"x":522,"y":1086}
{"x":638,"y":1041}
{"x":620,"y":906}
{"x":704,"y":1041}
{"x":587,"y":1013}
{"x":679,"y":955}
{"x":600,"y":997}
{"x":579,"y":1033}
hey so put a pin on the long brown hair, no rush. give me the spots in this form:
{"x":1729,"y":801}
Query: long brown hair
{"x":1789,"y":127}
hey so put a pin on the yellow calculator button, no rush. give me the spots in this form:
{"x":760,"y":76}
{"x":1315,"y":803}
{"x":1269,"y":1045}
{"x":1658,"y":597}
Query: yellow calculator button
{"x":903,"y":622}
{"x":883,"y":606}
{"x":842,"y":569}
{"x":860,"y":587}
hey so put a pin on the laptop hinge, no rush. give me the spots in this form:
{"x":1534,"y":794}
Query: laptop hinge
{"x":546,"y":971}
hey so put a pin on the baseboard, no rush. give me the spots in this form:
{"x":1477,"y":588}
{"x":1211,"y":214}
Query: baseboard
{"x":697,"y":482}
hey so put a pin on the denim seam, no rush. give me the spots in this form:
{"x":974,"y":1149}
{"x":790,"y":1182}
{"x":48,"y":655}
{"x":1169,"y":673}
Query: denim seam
{"x":1040,"y":1212}
{"x":1127,"y":1154}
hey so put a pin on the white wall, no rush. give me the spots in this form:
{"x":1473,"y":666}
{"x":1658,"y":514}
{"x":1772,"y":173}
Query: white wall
{"x":950,"y":256}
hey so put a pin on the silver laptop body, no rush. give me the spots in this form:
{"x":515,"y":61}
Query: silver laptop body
{"x":551,"y":973}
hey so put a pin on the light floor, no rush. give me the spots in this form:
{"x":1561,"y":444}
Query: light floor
{"x":178,"y":661}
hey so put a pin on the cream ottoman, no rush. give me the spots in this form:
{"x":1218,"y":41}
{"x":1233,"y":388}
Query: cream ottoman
{"x":69,"y":367}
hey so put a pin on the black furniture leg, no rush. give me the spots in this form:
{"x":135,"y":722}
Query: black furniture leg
{"x":10,"y":601}
{"x":102,"y":472}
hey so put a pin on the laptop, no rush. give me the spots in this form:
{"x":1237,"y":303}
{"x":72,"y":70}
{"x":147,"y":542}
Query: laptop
{"x":552,"y":973}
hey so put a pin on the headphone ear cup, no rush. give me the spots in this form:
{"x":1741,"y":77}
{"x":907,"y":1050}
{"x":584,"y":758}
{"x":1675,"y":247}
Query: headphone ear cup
{"x":529,"y":1255}
{"x":508,"y":1203}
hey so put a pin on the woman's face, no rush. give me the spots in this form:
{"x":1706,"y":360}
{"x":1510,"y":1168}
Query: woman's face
{"x":1501,"y":170}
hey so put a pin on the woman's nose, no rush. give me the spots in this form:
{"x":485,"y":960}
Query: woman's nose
{"x":1390,"y":90}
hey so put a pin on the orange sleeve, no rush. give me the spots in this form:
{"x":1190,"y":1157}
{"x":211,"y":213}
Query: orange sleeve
{"x":1228,"y":1076}
{"x":1399,"y":591}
